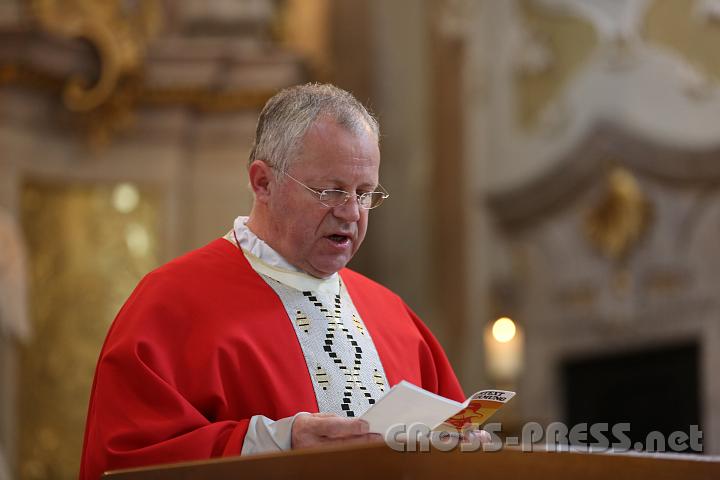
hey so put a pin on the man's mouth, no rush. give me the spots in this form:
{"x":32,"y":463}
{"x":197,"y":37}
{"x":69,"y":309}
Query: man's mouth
{"x":339,"y":239}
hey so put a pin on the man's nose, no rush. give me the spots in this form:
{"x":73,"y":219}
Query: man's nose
{"x":348,"y":211}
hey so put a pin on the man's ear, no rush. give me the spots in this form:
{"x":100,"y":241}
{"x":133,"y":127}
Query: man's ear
{"x":261,"y":180}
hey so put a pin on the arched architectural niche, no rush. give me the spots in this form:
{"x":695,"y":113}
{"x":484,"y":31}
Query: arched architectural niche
{"x":632,"y":79}
{"x":575,"y":299}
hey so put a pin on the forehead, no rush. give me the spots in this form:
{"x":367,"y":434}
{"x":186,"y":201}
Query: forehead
{"x":330,"y":146}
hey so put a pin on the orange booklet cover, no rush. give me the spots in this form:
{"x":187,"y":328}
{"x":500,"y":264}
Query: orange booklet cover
{"x":408,"y":404}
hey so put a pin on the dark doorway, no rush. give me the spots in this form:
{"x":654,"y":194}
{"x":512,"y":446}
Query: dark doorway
{"x":655,"y":390}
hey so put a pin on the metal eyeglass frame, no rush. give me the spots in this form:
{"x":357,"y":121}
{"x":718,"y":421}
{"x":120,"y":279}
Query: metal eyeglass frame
{"x":321,"y":193}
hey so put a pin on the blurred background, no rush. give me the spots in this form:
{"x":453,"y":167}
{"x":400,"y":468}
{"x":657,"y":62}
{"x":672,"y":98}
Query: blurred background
{"x":554,"y":170}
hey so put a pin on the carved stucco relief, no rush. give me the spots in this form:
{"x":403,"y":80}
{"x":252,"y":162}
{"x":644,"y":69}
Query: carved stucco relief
{"x":688,"y":31}
{"x":555,"y":38}
{"x":550,"y":47}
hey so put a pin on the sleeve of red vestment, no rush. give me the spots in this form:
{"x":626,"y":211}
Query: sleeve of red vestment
{"x":144,"y":404}
{"x":437,"y":373}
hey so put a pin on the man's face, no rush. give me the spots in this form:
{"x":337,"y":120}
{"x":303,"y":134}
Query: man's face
{"x":317,"y":239}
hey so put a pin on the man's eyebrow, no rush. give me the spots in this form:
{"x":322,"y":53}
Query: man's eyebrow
{"x":370,"y":186}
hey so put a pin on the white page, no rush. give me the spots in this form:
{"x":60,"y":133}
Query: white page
{"x":407,"y":404}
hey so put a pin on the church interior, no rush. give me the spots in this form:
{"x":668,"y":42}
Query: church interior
{"x":553,"y":166}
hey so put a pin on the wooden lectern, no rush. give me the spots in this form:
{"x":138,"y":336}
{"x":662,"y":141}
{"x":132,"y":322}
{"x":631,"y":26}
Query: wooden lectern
{"x":379,"y":461}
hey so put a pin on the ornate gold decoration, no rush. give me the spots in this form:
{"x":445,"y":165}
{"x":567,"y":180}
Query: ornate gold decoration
{"x":577,"y":296}
{"x":119,"y":31}
{"x":205,"y":100}
{"x":19,"y":75}
{"x":618,"y":221}
{"x":79,"y":276}
{"x":665,"y":282}
{"x":116,"y":114}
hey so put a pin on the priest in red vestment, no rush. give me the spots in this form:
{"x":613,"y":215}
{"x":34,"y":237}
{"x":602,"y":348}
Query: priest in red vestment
{"x":262,"y":340}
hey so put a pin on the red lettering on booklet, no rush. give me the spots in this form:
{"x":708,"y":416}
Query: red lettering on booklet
{"x":477,"y":412}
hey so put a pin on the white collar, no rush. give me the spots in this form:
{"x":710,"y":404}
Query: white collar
{"x":264,"y":259}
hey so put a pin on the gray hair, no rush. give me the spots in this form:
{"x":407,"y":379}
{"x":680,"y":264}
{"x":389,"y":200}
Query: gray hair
{"x":288,"y":115}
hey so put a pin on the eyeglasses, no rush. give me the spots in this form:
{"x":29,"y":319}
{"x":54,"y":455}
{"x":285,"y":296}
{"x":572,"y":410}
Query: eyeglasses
{"x":334,"y":198}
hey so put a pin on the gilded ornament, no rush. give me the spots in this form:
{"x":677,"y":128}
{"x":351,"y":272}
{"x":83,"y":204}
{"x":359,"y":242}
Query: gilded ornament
{"x":119,"y":33}
{"x":618,"y":221}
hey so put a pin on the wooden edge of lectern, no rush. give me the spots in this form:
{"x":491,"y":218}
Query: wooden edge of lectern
{"x":378,"y":460}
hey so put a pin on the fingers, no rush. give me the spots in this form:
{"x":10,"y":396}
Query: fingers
{"x":357,"y":439}
{"x":324,"y":428}
{"x":321,"y":428}
{"x":485,"y":437}
{"x":339,"y":427}
{"x":482,"y":435}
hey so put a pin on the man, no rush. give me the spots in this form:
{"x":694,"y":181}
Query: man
{"x":263,"y":340}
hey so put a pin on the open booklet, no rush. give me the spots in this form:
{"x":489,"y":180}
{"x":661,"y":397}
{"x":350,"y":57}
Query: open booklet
{"x":408,"y":404}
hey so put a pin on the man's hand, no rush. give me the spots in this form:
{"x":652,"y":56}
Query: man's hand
{"x":482,"y":435}
{"x":324,"y":428}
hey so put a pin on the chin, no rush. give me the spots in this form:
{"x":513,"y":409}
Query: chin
{"x":325,"y":269}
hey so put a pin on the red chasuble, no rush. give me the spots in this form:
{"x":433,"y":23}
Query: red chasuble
{"x":203,"y":344}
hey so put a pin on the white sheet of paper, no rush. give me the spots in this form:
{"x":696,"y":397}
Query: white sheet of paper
{"x":407,"y":404}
